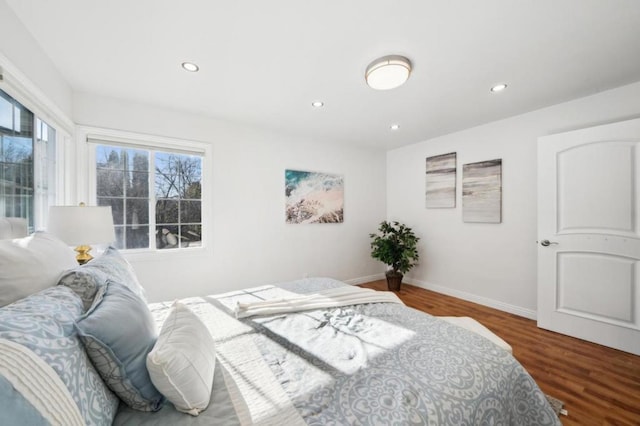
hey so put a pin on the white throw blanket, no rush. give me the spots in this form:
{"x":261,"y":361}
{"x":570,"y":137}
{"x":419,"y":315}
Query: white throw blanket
{"x":39,"y":384}
{"x":330,"y":298}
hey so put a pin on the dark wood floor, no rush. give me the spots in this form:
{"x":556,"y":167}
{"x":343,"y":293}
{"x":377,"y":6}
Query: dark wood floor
{"x":599,"y":385}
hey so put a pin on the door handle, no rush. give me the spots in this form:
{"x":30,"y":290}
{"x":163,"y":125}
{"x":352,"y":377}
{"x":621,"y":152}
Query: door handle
{"x":547,"y":243}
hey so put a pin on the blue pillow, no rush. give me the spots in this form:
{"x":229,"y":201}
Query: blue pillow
{"x":118,"y":332}
{"x":85,"y":280}
{"x":44,"y":323}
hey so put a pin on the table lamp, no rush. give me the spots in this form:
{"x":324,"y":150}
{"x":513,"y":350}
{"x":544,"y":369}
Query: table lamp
{"x":81,"y":226}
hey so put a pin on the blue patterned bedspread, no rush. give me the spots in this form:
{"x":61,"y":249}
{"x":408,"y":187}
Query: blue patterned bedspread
{"x":386,"y":364}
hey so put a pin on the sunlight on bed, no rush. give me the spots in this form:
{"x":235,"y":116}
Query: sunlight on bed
{"x":257,"y":395}
{"x":267,"y":358}
{"x":343,"y":338}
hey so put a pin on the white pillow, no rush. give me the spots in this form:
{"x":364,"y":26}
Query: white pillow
{"x":182,"y":362}
{"x":31,"y":264}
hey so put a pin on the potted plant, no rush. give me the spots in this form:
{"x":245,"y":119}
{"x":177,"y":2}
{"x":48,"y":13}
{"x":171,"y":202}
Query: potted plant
{"x":396,"y":246}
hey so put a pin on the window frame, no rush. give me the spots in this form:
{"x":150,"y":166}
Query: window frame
{"x":89,"y":137}
{"x":20,"y":88}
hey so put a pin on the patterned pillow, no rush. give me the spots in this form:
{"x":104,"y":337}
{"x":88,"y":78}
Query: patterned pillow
{"x":118,"y":332}
{"x":85,"y":280}
{"x":44,"y":323}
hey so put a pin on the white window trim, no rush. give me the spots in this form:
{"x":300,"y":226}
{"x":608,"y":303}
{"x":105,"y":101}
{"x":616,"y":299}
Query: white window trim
{"x":14,"y":82}
{"x":87,"y":137}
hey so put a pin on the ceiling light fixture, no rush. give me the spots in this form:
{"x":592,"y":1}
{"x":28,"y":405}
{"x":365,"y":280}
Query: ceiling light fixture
{"x":190,"y":66}
{"x":388,"y":72}
{"x":317,"y":104}
{"x":394,"y":126}
{"x":498,"y":87}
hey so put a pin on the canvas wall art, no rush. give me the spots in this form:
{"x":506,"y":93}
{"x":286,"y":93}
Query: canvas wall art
{"x":441,"y":181}
{"x":313,"y":197}
{"x":482,"y":192}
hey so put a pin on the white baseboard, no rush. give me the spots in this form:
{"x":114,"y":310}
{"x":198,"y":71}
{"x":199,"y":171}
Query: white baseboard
{"x":362,"y":280}
{"x":506,"y":307}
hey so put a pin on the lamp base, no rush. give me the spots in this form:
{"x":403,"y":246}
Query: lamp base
{"x":83,"y":254}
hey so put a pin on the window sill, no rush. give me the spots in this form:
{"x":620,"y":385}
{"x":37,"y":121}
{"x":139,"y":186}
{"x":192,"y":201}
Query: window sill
{"x":147,"y":255}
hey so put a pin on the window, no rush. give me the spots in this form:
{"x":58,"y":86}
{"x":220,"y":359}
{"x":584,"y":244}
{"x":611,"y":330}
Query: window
{"x":27,"y":163}
{"x":178,"y":191}
{"x":167,"y":216}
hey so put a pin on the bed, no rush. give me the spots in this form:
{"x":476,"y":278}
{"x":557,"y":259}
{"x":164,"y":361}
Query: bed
{"x":320,"y":362}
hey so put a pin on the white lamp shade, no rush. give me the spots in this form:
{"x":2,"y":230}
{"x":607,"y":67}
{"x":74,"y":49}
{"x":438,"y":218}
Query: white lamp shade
{"x":388,"y":72}
{"x":82,"y":225}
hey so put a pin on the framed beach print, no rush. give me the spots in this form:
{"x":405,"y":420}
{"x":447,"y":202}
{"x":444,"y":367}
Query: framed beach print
{"x":313,"y":197}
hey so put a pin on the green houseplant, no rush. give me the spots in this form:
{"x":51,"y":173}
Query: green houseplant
{"x":396,"y":246}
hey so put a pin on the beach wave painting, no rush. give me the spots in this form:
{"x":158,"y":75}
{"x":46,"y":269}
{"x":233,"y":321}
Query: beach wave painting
{"x":441,"y":181}
{"x":313,"y":197}
{"x":482,"y":192}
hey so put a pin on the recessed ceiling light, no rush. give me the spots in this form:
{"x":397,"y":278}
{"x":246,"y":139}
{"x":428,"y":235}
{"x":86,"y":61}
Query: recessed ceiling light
{"x":388,"y":72}
{"x":190,"y":66}
{"x":317,"y":104}
{"x":394,"y":126}
{"x":498,"y":87}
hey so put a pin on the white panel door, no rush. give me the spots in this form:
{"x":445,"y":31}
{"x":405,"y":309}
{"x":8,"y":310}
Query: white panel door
{"x":589,"y":234}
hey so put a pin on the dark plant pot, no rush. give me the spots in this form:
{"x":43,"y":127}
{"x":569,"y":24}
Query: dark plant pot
{"x":394,"y":280}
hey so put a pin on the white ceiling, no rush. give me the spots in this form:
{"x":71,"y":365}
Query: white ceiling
{"x":264,"y":62}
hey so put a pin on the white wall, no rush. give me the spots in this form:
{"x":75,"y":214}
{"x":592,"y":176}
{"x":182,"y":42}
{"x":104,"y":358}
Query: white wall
{"x":251,"y":244}
{"x":21,"y":55}
{"x":493,"y":264}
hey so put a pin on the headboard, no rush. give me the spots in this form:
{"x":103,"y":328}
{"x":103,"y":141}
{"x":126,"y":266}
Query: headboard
{"x":13,"y":227}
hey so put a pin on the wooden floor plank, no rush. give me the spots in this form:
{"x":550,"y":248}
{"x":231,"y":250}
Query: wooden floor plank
{"x":599,"y":385}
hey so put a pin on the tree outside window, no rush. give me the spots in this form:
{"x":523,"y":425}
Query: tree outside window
{"x":178,"y":200}
{"x":122,"y":182}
